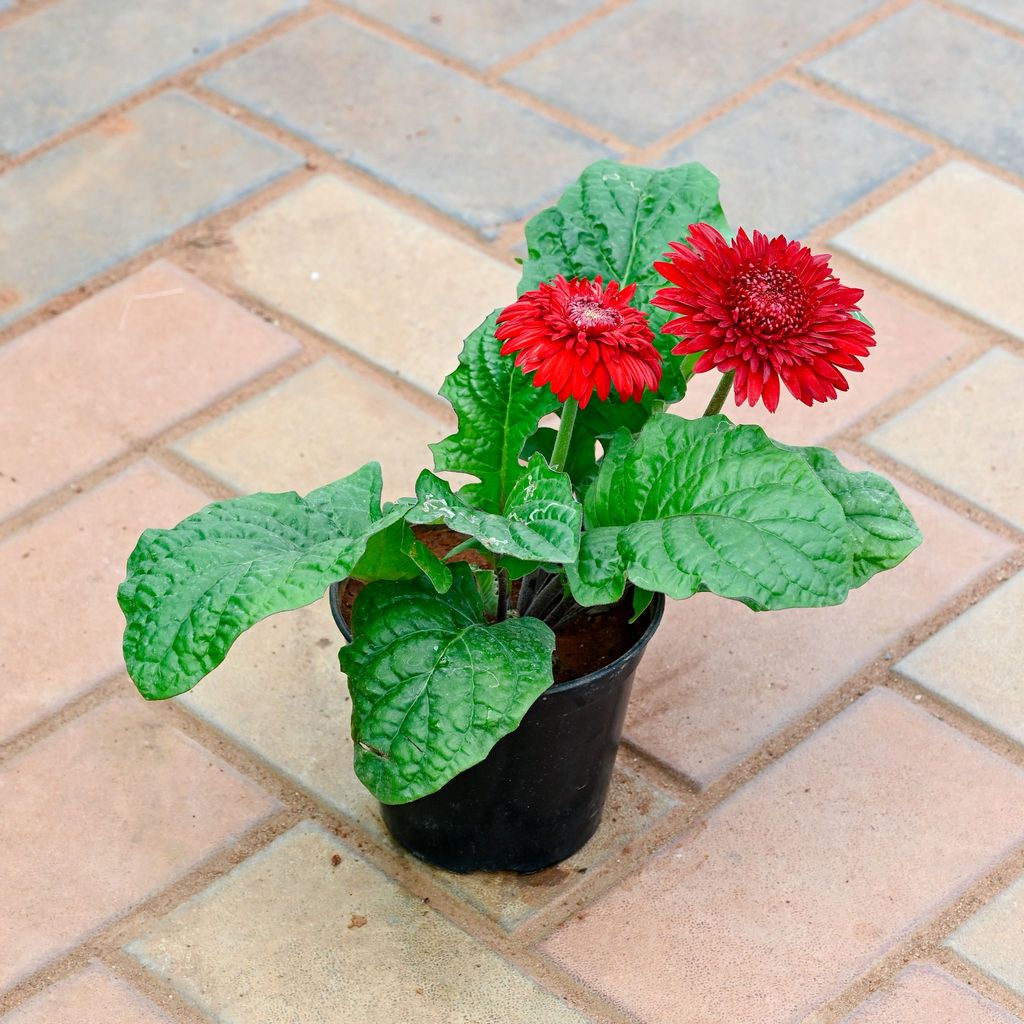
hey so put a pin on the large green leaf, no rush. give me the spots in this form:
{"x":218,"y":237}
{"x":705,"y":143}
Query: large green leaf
{"x":542,"y":519}
{"x":398,"y":554}
{"x":881,"y":531}
{"x":191,"y":590}
{"x":498,"y":409}
{"x":433,"y":685}
{"x":693,"y":505}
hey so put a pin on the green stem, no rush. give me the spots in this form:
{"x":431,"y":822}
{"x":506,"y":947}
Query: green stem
{"x":720,"y":395}
{"x":560,"y":453}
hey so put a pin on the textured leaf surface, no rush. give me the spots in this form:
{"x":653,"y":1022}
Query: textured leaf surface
{"x":398,"y":554}
{"x":433,"y":685}
{"x":702,"y":504}
{"x":191,"y":590}
{"x":498,"y":409}
{"x":542,"y":519}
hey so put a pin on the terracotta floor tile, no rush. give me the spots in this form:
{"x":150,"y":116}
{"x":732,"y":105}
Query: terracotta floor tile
{"x":100,"y":815}
{"x":909,"y":344}
{"x":803,"y":878}
{"x":117,"y":369}
{"x":718,"y":679}
{"x":319,"y":425}
{"x":307,"y":924}
{"x":370,"y":277}
{"x":923,"y":994}
{"x":966,"y":435}
{"x":952,"y":235}
{"x":60,"y":632}
{"x":93,"y":997}
{"x":994,"y":938}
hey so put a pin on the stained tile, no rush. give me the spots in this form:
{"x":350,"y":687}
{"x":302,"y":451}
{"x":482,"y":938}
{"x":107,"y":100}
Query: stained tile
{"x":964,"y":435}
{"x":103,"y":197}
{"x":910,"y":344}
{"x":94,"y":995}
{"x":831,"y":155}
{"x":323,"y":423}
{"x":959,"y":84}
{"x":73,"y":59}
{"x":952,"y":235}
{"x":415,"y":124}
{"x":481,"y":33}
{"x":993,"y":939}
{"x":719,"y":680}
{"x":650,"y":67}
{"x":977,"y":661}
{"x":370,"y":277}
{"x":60,"y":633}
{"x":100,"y":815}
{"x":117,"y":369}
{"x":286,"y":932}
{"x":825,"y":860}
{"x":922,"y":993}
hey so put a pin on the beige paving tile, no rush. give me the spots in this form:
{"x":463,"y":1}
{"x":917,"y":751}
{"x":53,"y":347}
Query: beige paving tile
{"x":60,"y":632}
{"x":966,"y":435}
{"x":290,"y":932}
{"x":977,"y":661}
{"x":718,"y":679}
{"x":100,"y":815}
{"x":116,"y":369}
{"x":923,"y":994}
{"x":910,"y":344}
{"x":370,"y":277}
{"x":319,"y":425}
{"x":805,"y":877}
{"x":953,"y":235}
{"x":300,"y":725}
{"x":994,"y":938}
{"x":93,"y":997}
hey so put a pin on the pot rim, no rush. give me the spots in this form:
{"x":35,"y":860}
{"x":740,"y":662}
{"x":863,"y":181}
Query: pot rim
{"x":657,"y":610}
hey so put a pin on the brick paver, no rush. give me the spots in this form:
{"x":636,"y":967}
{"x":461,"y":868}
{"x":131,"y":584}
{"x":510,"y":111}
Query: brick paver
{"x":366,"y":275}
{"x":118,"y":369}
{"x":923,"y":235}
{"x":100,"y":815}
{"x":820,"y":862}
{"x":74,"y":58}
{"x":307,"y":923}
{"x":409,"y":121}
{"x":104,"y":196}
{"x":1008,"y":12}
{"x":994,"y":938}
{"x":925,"y":994}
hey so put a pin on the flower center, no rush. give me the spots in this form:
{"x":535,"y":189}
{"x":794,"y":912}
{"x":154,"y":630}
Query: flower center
{"x":587,"y":313}
{"x":768,"y":301}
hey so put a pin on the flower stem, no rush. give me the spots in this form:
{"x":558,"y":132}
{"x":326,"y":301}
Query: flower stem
{"x":720,"y":395}
{"x":502,"y":614}
{"x":560,"y":454}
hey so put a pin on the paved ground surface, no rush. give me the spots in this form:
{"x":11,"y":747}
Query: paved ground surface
{"x":240,"y":243}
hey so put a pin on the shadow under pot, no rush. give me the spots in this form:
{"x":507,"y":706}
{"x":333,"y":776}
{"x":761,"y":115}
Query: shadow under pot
{"x":539,"y":794}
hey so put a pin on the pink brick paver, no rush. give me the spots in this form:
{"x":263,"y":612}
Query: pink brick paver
{"x":783,"y":894}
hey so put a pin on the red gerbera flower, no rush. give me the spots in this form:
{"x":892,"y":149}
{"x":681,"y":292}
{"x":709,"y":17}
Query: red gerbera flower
{"x":766,"y":308}
{"x":581,"y":338}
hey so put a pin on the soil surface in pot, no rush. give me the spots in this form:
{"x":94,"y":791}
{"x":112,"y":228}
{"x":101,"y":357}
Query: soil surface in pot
{"x":592,"y":641}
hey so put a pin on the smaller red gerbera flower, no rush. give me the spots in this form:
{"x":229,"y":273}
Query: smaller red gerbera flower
{"x":581,"y":337}
{"x":768,"y":309}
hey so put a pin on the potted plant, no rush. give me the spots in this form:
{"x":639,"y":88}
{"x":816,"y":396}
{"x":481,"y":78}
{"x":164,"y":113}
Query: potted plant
{"x":495,"y":629}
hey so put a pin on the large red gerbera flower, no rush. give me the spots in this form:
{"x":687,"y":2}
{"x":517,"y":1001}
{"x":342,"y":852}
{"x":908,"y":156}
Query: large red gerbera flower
{"x":579,"y":338}
{"x":766,"y":308}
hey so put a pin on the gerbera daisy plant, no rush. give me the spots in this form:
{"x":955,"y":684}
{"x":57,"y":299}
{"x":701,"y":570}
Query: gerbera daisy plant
{"x":593,"y":485}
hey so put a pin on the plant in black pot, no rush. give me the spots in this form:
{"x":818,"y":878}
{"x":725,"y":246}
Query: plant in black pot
{"x":494,"y":630}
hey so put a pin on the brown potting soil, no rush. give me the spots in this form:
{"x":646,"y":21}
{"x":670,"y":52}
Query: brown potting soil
{"x":595,"y":639}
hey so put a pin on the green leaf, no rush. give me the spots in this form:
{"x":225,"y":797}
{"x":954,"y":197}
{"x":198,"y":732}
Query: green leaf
{"x":694,"y":505}
{"x":542,"y":519}
{"x":398,"y":554}
{"x":433,"y":685}
{"x":498,"y":409}
{"x":881,"y":531}
{"x":192,"y":590}
{"x":581,"y":464}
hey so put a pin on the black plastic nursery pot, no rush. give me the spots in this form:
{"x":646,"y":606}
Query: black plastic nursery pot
{"x":539,"y":794}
